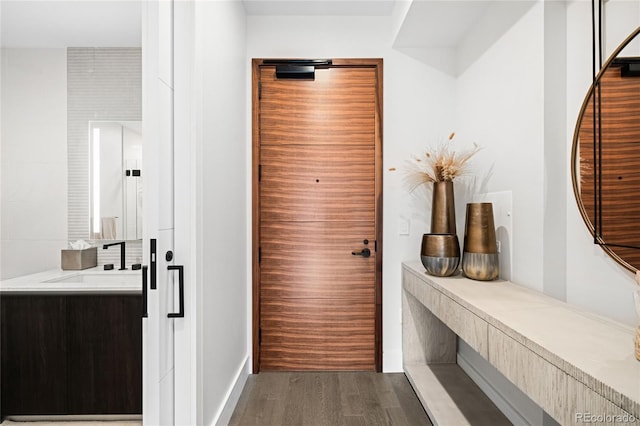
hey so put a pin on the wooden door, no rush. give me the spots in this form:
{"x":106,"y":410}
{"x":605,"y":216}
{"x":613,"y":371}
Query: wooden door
{"x":317,"y":145}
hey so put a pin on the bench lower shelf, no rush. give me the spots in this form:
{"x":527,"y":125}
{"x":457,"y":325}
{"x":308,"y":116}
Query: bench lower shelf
{"x":450,"y":397}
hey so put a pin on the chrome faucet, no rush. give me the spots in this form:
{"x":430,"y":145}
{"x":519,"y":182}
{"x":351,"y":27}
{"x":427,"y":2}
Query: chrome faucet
{"x":121,"y":243}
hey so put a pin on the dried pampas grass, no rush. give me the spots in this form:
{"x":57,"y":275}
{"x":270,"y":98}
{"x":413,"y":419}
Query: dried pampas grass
{"x":439,"y":164}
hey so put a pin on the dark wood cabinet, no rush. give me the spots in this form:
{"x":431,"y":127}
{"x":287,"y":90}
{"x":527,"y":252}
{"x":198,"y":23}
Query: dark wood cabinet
{"x":71,"y":354}
{"x":34,"y":355}
{"x":106,"y":374}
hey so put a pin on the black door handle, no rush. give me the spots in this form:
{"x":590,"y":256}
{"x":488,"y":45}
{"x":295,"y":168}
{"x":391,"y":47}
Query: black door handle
{"x":365,"y":252}
{"x":145,"y":312}
{"x":180,"y":269}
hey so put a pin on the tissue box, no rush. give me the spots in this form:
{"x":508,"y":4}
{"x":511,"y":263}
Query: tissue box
{"x":79,"y":259}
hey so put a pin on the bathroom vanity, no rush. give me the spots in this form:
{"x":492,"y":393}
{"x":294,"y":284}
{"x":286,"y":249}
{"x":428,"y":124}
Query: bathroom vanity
{"x":569,"y":361}
{"x":72,"y":343}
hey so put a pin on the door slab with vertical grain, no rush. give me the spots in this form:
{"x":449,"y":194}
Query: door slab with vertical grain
{"x":317,"y":334}
{"x":317,"y":188}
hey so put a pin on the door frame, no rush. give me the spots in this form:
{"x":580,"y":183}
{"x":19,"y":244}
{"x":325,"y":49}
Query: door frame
{"x":169,"y":63}
{"x":256,"y":64}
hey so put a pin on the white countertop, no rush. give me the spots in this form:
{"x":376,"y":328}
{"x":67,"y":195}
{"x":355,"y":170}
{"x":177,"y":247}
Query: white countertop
{"x":595,"y":350}
{"x":88,"y":281}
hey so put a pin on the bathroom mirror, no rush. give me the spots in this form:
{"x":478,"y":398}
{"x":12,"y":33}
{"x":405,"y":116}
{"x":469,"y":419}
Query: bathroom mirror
{"x":116,"y":180}
{"x":606,"y":155}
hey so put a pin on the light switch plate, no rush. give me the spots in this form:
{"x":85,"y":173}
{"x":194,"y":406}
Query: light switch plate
{"x":403,"y":226}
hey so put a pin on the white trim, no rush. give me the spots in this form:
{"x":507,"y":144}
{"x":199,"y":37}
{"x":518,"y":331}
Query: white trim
{"x":186,"y":366}
{"x":496,"y":397}
{"x":233,"y":395}
{"x":75,"y":418}
{"x":197,"y":186}
{"x":150,"y":135}
{"x":392,"y":360}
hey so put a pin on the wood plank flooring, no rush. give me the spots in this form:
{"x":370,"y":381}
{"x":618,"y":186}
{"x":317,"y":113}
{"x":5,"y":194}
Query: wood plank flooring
{"x":328,"y":398}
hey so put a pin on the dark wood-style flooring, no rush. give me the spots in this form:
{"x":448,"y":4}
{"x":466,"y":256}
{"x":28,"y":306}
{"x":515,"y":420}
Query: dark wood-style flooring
{"x":328,"y":398}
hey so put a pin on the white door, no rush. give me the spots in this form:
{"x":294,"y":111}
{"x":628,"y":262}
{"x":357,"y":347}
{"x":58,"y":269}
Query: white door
{"x":168,"y":360}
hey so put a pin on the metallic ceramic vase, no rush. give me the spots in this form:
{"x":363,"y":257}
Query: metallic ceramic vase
{"x":443,"y":210}
{"x":440,"y":254}
{"x":480,"y":256}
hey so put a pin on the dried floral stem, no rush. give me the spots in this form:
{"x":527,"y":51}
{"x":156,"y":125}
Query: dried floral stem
{"x":439,"y":164}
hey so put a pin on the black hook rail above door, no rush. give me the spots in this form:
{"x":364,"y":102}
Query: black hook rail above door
{"x":298,"y":69}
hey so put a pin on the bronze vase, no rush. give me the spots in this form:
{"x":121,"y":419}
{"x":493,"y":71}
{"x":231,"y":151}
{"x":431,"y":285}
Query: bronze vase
{"x":440,"y":250}
{"x":440,"y":254}
{"x":480,"y":253}
{"x":443,"y":210}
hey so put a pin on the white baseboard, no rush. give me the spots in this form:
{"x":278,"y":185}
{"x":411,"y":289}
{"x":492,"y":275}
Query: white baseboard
{"x":392,"y":361}
{"x":233,"y":395}
{"x":510,"y":412}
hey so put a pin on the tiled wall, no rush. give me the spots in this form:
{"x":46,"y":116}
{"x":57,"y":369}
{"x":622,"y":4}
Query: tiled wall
{"x":102,"y":84}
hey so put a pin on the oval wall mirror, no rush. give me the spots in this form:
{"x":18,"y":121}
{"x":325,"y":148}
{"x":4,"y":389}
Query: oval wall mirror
{"x":606,"y":155}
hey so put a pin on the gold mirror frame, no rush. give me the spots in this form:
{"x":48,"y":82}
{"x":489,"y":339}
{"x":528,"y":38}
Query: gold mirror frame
{"x":575,"y":158}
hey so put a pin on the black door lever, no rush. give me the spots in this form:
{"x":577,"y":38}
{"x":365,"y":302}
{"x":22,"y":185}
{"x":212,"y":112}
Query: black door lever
{"x":365,"y":252}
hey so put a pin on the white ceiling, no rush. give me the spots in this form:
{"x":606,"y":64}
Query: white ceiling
{"x":319,"y":7}
{"x":447,"y":34}
{"x":450,"y":35}
{"x":52,"y":23}
{"x":439,"y":23}
{"x":117,"y":23}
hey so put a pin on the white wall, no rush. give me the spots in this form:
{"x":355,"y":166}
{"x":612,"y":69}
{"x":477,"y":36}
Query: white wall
{"x":499,"y":102}
{"x":34,"y":160}
{"x":500,"y":106}
{"x":594,"y":280}
{"x":220,"y":55}
{"x":506,"y":102}
{"x":103,"y":84}
{"x":417,"y":108}
{"x":510,"y":99}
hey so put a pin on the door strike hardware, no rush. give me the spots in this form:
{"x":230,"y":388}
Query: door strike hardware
{"x":152,"y":262}
{"x":180,"y":313}
{"x":365,"y":252}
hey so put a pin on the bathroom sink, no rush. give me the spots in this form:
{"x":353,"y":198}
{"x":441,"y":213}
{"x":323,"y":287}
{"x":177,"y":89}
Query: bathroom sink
{"x":96,"y":278}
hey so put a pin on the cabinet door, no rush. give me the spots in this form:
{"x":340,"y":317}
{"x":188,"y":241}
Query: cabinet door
{"x":105,"y":354}
{"x":34,"y":364}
